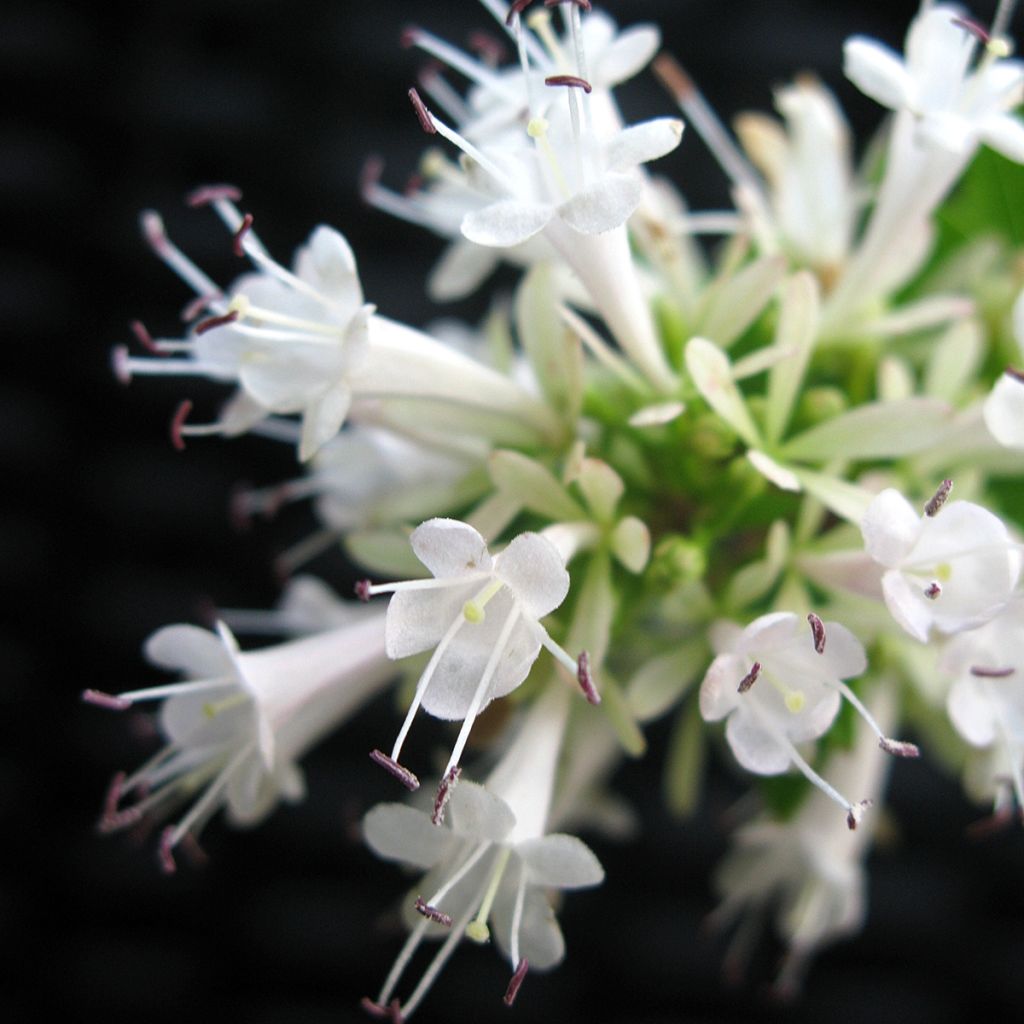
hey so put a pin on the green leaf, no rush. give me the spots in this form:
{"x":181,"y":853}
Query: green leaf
{"x":988,"y":200}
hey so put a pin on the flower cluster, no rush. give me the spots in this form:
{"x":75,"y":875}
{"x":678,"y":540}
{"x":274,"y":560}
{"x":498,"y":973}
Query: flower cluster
{"x":662,"y":461}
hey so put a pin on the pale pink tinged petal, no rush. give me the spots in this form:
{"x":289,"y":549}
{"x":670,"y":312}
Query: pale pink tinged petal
{"x":890,"y":528}
{"x":1005,"y":134}
{"x":323,"y":418}
{"x":972,"y":713}
{"x":417,"y":619}
{"x":629,"y":53}
{"x":755,"y":747}
{"x":1003,"y":411}
{"x":643,"y":142}
{"x":196,"y":652}
{"x":877,"y":72}
{"x":506,"y":223}
{"x":560,"y":862}
{"x":397,"y":832}
{"x":533,"y":568}
{"x":328,"y":264}
{"x":448,"y":547}
{"x":844,"y":653}
{"x":604,"y":205}
{"x":718,"y":691}
{"x":476,"y":813}
{"x":907,"y":605}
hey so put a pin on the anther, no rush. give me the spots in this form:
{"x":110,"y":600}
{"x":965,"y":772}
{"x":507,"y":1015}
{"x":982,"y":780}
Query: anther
{"x":933,"y":590}
{"x":216,"y":321}
{"x":120,"y":364}
{"x":390,"y":765}
{"x":408,"y":37}
{"x":973,"y":27}
{"x":362,"y":589}
{"x":585,"y":679}
{"x":938,"y":499}
{"x":197,"y":305}
{"x":517,"y":7}
{"x":390,"y":1012}
{"x":177,"y":429}
{"x":206,"y":194}
{"x":118,"y":819}
{"x":1017,"y":375}
{"x":166,"y":851}
{"x":817,"y":632}
{"x":444,"y":794}
{"x":856,"y":813}
{"x":899,"y":748}
{"x":750,"y":678}
{"x":982,"y":672}
{"x":426,"y":121}
{"x":432,"y":913}
{"x":490,"y":49}
{"x":574,"y":81}
{"x":516,"y":981}
{"x":143,"y":337}
{"x":106,"y":700}
{"x":237,"y":246}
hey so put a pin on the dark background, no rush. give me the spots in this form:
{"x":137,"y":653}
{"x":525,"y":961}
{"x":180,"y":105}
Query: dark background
{"x":107,"y":533}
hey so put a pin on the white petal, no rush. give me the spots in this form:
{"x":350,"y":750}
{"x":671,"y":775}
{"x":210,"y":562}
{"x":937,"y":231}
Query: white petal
{"x":754,"y":747}
{"x":533,"y":568}
{"x":540,"y":938}
{"x":629,"y":53}
{"x":506,"y":223}
{"x":890,"y":527}
{"x":604,"y":205}
{"x":1005,"y":134}
{"x":906,"y":605}
{"x":323,"y":418}
{"x":1003,"y":411}
{"x":196,"y":652}
{"x":397,"y":832}
{"x":718,"y":692}
{"x":327,"y":263}
{"x":448,"y":547}
{"x":251,"y":794}
{"x":476,"y":813}
{"x":463,"y":267}
{"x":972,"y":713}
{"x":560,"y":862}
{"x":844,"y":653}
{"x":643,"y":142}
{"x":877,"y":72}
{"x":417,"y":619}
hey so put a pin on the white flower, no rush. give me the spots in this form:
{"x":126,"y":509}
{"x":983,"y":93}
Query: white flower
{"x":986,"y":700}
{"x":780,"y":684}
{"x":1004,"y":408}
{"x":480,"y":615}
{"x":956,"y":107}
{"x":303,"y":341}
{"x":950,"y":570}
{"x":809,"y":866}
{"x":489,"y":864}
{"x":237,"y":728}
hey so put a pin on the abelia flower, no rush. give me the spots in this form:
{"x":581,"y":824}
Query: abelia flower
{"x":489,"y":864}
{"x":780,"y":684}
{"x":986,"y":700}
{"x":951,"y":568}
{"x":481,"y":615}
{"x":237,"y":728}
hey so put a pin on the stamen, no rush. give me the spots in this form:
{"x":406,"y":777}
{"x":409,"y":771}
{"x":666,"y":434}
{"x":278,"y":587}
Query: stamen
{"x":973,"y":28}
{"x":750,"y":678}
{"x":106,"y":700}
{"x":585,"y":679}
{"x":181,"y":414}
{"x":110,"y":802}
{"x":426,"y":122}
{"x":144,"y":338}
{"x":197,"y":305}
{"x":573,"y":81}
{"x":121,"y":364}
{"x":490,"y":49}
{"x":991,"y":673}
{"x":516,"y":8}
{"x":216,"y":321}
{"x":477,"y":929}
{"x":516,"y":982}
{"x":390,"y":765}
{"x":899,"y":748}
{"x":817,"y":632}
{"x":856,"y":812}
{"x":362,"y":589}
{"x":938,"y":499}
{"x":166,"y":851}
{"x":239,"y":236}
{"x":432,"y":913}
{"x":933,"y":590}
{"x":207,"y":194}
{"x":444,"y":794}
{"x":392,"y":1011}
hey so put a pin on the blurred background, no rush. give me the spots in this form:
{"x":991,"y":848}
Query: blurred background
{"x":108,"y":533}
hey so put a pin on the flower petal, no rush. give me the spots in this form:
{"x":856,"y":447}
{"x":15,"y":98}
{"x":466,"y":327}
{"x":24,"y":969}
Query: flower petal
{"x":476,"y":813}
{"x":877,"y":72}
{"x":560,"y":862}
{"x":397,"y":832}
{"x":448,"y":547}
{"x":506,"y":223}
{"x":628,"y":54}
{"x":640,"y":143}
{"x":604,"y":205}
{"x":196,"y":652}
{"x":890,"y":528}
{"x":533,"y":568}
{"x":755,"y":747}
{"x":1003,"y":411}
{"x":327,"y":263}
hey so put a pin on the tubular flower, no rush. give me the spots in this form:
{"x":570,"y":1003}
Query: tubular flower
{"x":950,"y":570}
{"x":236,"y":729}
{"x":781,"y":685}
{"x":489,"y":863}
{"x":481,"y":617}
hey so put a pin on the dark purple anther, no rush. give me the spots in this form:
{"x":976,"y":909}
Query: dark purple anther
{"x":106,"y":700}
{"x":573,"y":81}
{"x":426,"y":121}
{"x":363,"y":590}
{"x":750,"y":678}
{"x":166,"y":851}
{"x":975,"y":28}
{"x":390,"y":765}
{"x":181,"y":414}
{"x":933,"y":590}
{"x":444,"y":794}
{"x":432,"y":913}
{"x":206,"y":194}
{"x":817,"y":632}
{"x":938,"y":499}
{"x":216,"y":321}
{"x":585,"y":679}
{"x":899,"y":748}
{"x":237,"y":242}
{"x":516,"y":981}
{"x":983,"y":672}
